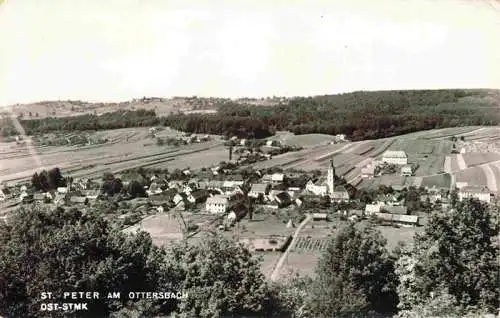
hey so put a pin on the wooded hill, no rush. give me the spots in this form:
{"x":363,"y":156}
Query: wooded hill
{"x":359,"y":115}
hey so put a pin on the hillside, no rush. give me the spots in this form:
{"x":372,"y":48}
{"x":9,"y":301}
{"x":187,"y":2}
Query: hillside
{"x":359,"y":115}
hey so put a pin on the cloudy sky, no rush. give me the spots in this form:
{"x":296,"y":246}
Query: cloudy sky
{"x":111,"y":50}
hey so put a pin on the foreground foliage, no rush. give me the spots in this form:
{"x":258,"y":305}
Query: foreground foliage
{"x":62,"y":250}
{"x":456,"y":258}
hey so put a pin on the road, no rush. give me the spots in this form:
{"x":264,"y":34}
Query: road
{"x":276,"y":271}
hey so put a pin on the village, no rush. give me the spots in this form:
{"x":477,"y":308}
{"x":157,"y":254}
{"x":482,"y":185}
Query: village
{"x":262,"y":208}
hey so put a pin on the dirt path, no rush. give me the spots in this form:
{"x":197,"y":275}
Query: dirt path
{"x":447,"y":164}
{"x":276,"y":271}
{"x":491,"y":181}
{"x":461,"y":162}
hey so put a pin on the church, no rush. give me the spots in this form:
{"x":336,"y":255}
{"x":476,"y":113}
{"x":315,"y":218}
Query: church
{"x":327,"y":187}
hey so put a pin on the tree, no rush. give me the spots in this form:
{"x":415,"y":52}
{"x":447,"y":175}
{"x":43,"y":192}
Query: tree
{"x":63,"y":250}
{"x":355,"y":275}
{"x":456,"y":252}
{"x":135,"y":189}
{"x":112,"y":187}
{"x":221,"y":277}
{"x":55,"y":179}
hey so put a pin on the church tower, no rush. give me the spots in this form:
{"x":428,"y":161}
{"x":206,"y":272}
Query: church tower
{"x":331,"y":178}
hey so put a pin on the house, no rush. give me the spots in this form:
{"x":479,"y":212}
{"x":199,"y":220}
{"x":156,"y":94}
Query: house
{"x":216,"y":185}
{"x":283,"y":199}
{"x":480,"y":193}
{"x":178,"y":198}
{"x":340,"y":194}
{"x":397,"y":157}
{"x":406,"y":170}
{"x":78,"y":200}
{"x":371,"y":209}
{"x":368,"y":171}
{"x":272,"y":143}
{"x":217,"y":204}
{"x":320,"y":188}
{"x":154,"y":188}
{"x":176,"y":184}
{"x":39,"y":197}
{"x":26,"y":198}
{"x":259,"y":189}
{"x":3,"y":196}
{"x":243,"y":142}
{"x":404,"y":220}
{"x":298,"y":202}
{"x":198,"y":196}
{"x":59,"y":198}
{"x":62,"y":190}
{"x":92,"y":194}
{"x":165,"y":197}
{"x":275,"y":178}
{"x":392,"y":209}
{"x":319,"y":216}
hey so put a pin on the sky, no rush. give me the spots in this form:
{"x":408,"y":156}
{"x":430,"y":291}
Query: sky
{"x":116,"y":50}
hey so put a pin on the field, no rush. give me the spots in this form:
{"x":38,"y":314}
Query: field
{"x":314,"y":238}
{"x":438,"y":181}
{"x":476,"y":158}
{"x":127,"y":148}
{"x":473,"y":176}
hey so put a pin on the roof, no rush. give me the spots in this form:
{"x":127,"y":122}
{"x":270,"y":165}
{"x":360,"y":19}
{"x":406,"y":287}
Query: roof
{"x":277,"y":176}
{"x":405,"y":218}
{"x":394,"y":154}
{"x":217,"y":199}
{"x":394,"y":209}
{"x":407,"y":167}
{"x":283,"y":196}
{"x":39,"y":196}
{"x":198,"y":194}
{"x":319,"y":215}
{"x":398,"y":217}
{"x":372,"y":208}
{"x":78,"y":199}
{"x":259,"y":187}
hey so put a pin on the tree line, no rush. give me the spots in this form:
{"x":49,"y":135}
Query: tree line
{"x":358,"y":115}
{"x":451,"y":270}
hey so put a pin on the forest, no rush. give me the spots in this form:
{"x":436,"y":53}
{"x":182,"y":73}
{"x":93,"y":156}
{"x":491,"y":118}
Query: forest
{"x":358,"y":115}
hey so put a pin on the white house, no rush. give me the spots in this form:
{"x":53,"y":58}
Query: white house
{"x":397,"y":157}
{"x":2,"y":195}
{"x":217,"y":204}
{"x":371,"y":209}
{"x":62,"y":190}
{"x":274,"y":178}
{"x":319,"y":188}
{"x":406,"y":170}
{"x":259,"y":189}
{"x":368,"y":171}
{"x":481,"y":193}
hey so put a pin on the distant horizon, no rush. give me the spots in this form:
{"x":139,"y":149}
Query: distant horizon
{"x":243,"y":97}
{"x":107,"y":51}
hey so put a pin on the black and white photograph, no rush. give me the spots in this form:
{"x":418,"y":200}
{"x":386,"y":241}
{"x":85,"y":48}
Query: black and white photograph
{"x":250,"y":158}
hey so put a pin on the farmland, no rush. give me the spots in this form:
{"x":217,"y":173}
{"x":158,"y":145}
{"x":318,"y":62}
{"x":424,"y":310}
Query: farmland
{"x":314,"y":238}
{"x":473,"y":176}
{"x":126,"y":148}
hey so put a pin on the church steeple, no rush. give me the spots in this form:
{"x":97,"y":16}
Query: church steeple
{"x":331,"y":177}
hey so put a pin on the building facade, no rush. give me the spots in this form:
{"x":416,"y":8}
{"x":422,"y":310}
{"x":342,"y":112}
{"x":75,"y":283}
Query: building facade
{"x":397,"y":157}
{"x":217,"y":204}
